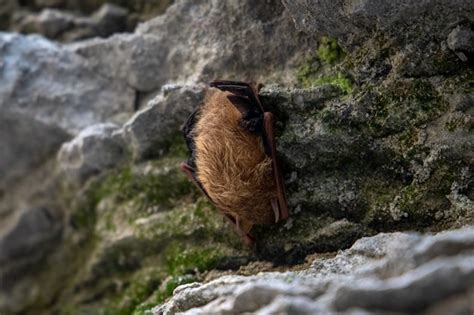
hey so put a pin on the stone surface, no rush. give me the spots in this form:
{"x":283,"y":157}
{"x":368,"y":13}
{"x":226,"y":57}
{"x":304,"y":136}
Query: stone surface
{"x":374,"y":134}
{"x":25,"y":241}
{"x":210,"y":39}
{"x":25,"y":143}
{"x":397,"y":272}
{"x":461,"y":40}
{"x":355,"y":21}
{"x":67,"y":27}
{"x":43,"y":81}
{"x":160,"y":120}
{"x":94,"y":150}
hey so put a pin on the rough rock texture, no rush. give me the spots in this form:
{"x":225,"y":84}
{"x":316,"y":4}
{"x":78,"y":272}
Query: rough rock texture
{"x":55,"y":86}
{"x":374,"y":132}
{"x":93,"y":150}
{"x":350,"y":171}
{"x":354,"y":22}
{"x":20,"y":150}
{"x":25,"y":241}
{"x":210,"y":39}
{"x":46,"y":94}
{"x":59,"y":25}
{"x":160,"y":120}
{"x":394,"y":272}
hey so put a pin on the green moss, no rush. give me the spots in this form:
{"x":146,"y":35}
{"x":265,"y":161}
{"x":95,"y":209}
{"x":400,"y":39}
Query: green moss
{"x":338,"y":80}
{"x":401,"y":105}
{"x":318,"y":69}
{"x":329,"y":50}
{"x":162,"y":185}
{"x":181,"y":259}
{"x":307,"y":71}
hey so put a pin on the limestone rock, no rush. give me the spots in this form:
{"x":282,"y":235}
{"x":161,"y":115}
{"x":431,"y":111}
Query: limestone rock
{"x":160,"y":121}
{"x":27,"y":240}
{"x":461,"y":40}
{"x":65,"y":26}
{"x":25,"y":143}
{"x":397,"y":272}
{"x":93,"y":150}
{"x":354,"y":21}
{"x":43,"y":81}
{"x":198,"y":41}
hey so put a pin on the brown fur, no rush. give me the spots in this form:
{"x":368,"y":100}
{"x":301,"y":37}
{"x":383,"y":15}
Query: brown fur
{"x":231,"y":163}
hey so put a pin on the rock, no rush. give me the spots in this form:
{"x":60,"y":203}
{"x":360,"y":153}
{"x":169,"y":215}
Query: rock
{"x":200,"y":49}
{"x":395,"y":272}
{"x":110,"y":19}
{"x":93,"y":150}
{"x":355,"y":21}
{"x":24,"y":243}
{"x":461,"y":40}
{"x":64,"y":26}
{"x":50,"y":23}
{"x":20,"y":148}
{"x":41,"y":80}
{"x":338,"y":163}
{"x":7,"y":9}
{"x":160,"y":121}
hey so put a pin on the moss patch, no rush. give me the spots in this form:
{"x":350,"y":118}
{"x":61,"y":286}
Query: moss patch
{"x":329,"y":51}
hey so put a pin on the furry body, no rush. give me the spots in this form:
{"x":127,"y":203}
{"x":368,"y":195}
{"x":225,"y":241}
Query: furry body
{"x":231,"y":163}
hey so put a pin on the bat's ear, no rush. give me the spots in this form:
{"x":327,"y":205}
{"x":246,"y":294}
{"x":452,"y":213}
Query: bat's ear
{"x":259,"y":87}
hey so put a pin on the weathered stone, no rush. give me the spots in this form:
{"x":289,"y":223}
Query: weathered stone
{"x":355,"y":281}
{"x":355,"y":21}
{"x":461,"y":40}
{"x":25,"y":241}
{"x":93,"y":150}
{"x":200,"y":49}
{"x":25,"y":143}
{"x":52,"y":23}
{"x":160,"y":121}
{"x":41,"y":80}
{"x":7,"y":9}
{"x":64,"y":26}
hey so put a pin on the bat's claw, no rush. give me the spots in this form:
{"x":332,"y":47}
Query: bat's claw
{"x":276,"y":210}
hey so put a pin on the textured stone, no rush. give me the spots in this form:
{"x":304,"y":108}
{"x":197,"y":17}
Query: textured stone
{"x":28,"y":238}
{"x":65,"y":26}
{"x":208,"y":40}
{"x":25,"y":143}
{"x":93,"y":150}
{"x":354,"y":21}
{"x":160,"y":121}
{"x":52,"y":85}
{"x":375,"y":275}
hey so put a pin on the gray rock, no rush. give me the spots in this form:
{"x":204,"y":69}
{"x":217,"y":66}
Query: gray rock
{"x":461,"y":38}
{"x":27,"y":239}
{"x":50,"y":23}
{"x":93,"y":150}
{"x":25,"y":143}
{"x":7,"y":9}
{"x":359,"y":280}
{"x":65,"y":26}
{"x":461,"y":41}
{"x":199,"y":41}
{"x":355,"y":21}
{"x":160,"y":121}
{"x":110,"y":19}
{"x":41,"y":80}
